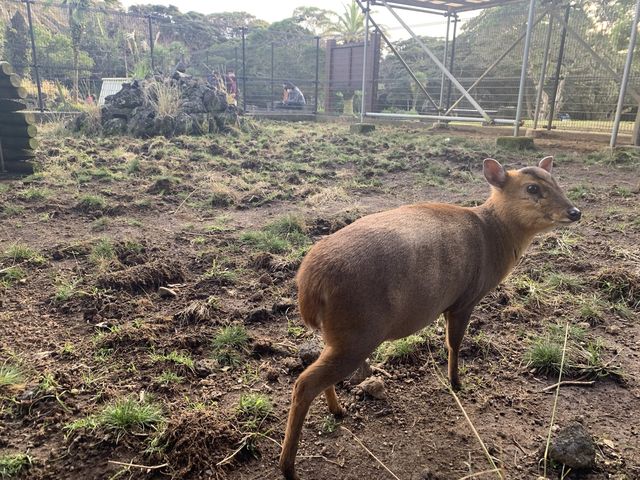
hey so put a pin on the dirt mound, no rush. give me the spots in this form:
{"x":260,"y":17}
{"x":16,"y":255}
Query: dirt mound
{"x":620,"y":285}
{"x":140,"y":277}
{"x":198,"y":311}
{"x":195,"y":442}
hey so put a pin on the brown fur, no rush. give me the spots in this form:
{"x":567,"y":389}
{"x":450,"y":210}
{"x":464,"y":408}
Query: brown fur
{"x":392,"y":273}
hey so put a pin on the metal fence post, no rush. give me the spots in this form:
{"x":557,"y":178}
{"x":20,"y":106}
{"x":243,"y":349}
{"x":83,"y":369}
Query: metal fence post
{"x":453,"y":57}
{"x":272,"y":80}
{"x":523,"y":71}
{"x":625,"y":76}
{"x":543,"y":72}
{"x":150,"y":23}
{"x":444,"y":61}
{"x":34,"y":57}
{"x":315,"y":93}
{"x":556,"y":80}
{"x":244,"y":74}
{"x":364,"y":63}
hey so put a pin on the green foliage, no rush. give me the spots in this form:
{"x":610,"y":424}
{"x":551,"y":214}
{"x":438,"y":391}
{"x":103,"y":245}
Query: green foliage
{"x":10,"y":275}
{"x":103,"y":251}
{"x":11,"y":374}
{"x":16,"y":43}
{"x":124,"y":415}
{"x":176,"y":357}
{"x":23,"y":253}
{"x":13,"y":464}
{"x":281,"y":236}
{"x":253,"y":409}
{"x":91,"y":202}
{"x":227,"y":344}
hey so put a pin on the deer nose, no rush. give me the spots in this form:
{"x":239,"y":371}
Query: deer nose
{"x":574,"y":214}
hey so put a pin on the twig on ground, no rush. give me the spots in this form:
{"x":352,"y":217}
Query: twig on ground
{"x":555,"y":400}
{"x":446,"y":384}
{"x":484,"y":472}
{"x":370,"y":452}
{"x":568,"y":382}
{"x":375,"y":368}
{"x":184,"y":201}
{"x":135,"y":465}
{"x":341,"y":465}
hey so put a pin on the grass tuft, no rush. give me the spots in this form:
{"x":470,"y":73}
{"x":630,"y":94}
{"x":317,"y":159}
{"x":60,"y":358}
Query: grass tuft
{"x":227,"y":344}
{"x":13,"y":464}
{"x":11,"y":374}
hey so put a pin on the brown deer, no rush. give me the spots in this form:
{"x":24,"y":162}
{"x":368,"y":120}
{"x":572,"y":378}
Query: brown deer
{"x":389,"y":274}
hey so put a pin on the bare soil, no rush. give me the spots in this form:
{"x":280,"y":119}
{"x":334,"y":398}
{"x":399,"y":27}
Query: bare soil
{"x":84,"y":325}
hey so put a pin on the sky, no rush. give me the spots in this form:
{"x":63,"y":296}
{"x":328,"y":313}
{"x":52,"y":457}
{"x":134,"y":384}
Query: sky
{"x":271,"y":11}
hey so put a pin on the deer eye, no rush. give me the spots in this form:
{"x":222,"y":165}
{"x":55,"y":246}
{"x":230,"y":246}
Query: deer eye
{"x":533,"y":189}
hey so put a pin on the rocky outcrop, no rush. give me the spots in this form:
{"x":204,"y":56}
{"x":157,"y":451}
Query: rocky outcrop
{"x":180,"y":105}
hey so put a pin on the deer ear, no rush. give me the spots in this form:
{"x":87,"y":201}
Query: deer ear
{"x":494,"y":172}
{"x":546,"y":163}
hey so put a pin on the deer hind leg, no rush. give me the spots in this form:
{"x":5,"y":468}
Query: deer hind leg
{"x":456,"y":326}
{"x":331,"y":367}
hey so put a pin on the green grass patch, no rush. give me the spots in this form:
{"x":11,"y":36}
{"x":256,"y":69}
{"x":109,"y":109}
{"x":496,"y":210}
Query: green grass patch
{"x":14,"y":464}
{"x":91,"y":203}
{"x":584,"y":357}
{"x":228,"y":343}
{"x":19,"y":252}
{"x":404,"y":349}
{"x":253,"y":409}
{"x":175,"y":357}
{"x":281,"y":236}
{"x":102,"y":252}
{"x":11,"y":374}
{"x":123,"y":416}
{"x":11,"y":275}
{"x":34,"y":194}
{"x":220,"y":273}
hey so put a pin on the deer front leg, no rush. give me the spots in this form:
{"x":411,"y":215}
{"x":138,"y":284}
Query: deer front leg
{"x":456,"y":326}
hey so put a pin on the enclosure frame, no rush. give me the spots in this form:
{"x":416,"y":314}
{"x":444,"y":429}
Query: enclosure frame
{"x":450,"y":9}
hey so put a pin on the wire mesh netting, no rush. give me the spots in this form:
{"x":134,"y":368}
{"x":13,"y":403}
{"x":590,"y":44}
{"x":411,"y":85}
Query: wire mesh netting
{"x":586,"y":85}
{"x":75,"y":48}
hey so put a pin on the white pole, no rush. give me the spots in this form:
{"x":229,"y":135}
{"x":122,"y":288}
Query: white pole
{"x":625,"y":77}
{"x":523,"y":72}
{"x":364,"y":63}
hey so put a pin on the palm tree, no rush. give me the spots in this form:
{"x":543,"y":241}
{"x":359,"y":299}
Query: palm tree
{"x":350,"y":25}
{"x":349,"y":28}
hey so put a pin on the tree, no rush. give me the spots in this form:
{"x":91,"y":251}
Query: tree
{"x":16,"y":43}
{"x":350,"y":25}
{"x":317,"y":20}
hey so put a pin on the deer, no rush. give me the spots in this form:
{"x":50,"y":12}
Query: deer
{"x":389,"y":274}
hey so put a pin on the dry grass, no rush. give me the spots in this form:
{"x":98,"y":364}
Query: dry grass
{"x":164,"y":98}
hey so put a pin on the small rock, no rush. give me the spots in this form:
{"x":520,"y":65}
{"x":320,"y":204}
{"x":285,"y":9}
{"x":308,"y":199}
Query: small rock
{"x":613,"y":330}
{"x":427,"y":474}
{"x":258,"y":316}
{"x":309,"y":352}
{"x":256,"y":297}
{"x":361,"y":374}
{"x":373,"y":386}
{"x":272,"y":374}
{"x":204,"y":367}
{"x":574,"y":447}
{"x":263,"y":346}
{"x":103,"y":326}
{"x":292,"y":364}
{"x":165,"y":292}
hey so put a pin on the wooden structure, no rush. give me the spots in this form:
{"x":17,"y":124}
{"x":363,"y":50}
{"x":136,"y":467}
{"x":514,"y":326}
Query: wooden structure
{"x":343,"y":70}
{"x":17,"y":128}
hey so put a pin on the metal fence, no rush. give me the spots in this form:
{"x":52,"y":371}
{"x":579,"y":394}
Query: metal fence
{"x":74,"y":49}
{"x":579,"y":90}
{"x":67,"y":51}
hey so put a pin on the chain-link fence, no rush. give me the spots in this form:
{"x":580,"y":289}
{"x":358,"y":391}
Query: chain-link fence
{"x":580,"y":86}
{"x":73,"y":49}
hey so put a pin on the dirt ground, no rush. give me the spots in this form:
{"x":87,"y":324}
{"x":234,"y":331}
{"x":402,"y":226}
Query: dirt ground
{"x":109,"y":220}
